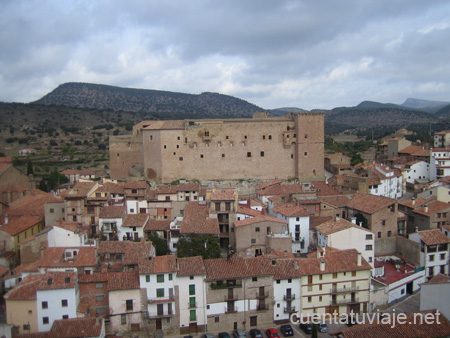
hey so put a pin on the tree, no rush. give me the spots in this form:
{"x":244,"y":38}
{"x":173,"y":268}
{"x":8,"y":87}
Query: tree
{"x":160,"y":244}
{"x":29,"y":168}
{"x":207,"y":246}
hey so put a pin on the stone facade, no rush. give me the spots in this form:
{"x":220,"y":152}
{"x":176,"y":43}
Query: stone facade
{"x":259,"y":148}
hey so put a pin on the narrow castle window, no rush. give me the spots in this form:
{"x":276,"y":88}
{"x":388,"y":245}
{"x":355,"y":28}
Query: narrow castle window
{"x":264,"y":137}
{"x":262,"y":153}
{"x":201,"y":155}
{"x":306,"y":153}
{"x":249,"y":154}
{"x":223,"y":155}
{"x":206,"y":133}
{"x":165,"y":147}
{"x":181,"y":159}
{"x":270,"y":137}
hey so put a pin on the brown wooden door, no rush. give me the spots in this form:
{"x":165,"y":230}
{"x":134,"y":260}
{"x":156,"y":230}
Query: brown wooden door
{"x":193,"y":328}
{"x":159,"y":324}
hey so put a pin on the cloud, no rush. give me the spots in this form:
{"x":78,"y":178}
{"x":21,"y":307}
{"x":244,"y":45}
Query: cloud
{"x":308,"y":54}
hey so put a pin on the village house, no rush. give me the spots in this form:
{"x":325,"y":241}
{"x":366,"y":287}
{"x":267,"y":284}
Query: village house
{"x":223,"y":203}
{"x":342,"y":234}
{"x":69,"y":234}
{"x":259,"y":235}
{"x":123,"y":256}
{"x":41,"y":299}
{"x":439,"y":188}
{"x":81,"y":260}
{"x":442,"y":139}
{"x":75,"y":176}
{"x":110,"y":220}
{"x":297,"y":218}
{"x":338,"y":164}
{"x":431,"y":294}
{"x":132,"y":228}
{"x":378,"y":214}
{"x":434,"y":251}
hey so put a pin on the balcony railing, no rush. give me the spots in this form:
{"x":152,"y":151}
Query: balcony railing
{"x":341,"y":290}
{"x":344,"y":301}
{"x":262,"y":307}
{"x":229,"y":298}
{"x":289,"y":309}
{"x":231,"y":309}
{"x":289,"y":297}
{"x":260,"y":295}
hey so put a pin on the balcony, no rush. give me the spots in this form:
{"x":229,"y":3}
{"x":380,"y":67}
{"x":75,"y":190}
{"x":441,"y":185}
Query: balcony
{"x":343,"y":290}
{"x":344,"y":301}
{"x":289,"y":297}
{"x":262,"y":295}
{"x":262,"y":307}
{"x":231,"y":309}
{"x":230,"y":298}
{"x":289,"y":309}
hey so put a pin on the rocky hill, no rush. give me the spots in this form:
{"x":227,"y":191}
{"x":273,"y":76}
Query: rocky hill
{"x":161,"y":104}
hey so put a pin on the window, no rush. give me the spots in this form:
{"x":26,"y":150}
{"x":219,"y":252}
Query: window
{"x":383,"y":222}
{"x":147,"y":278}
{"x":442,"y":256}
{"x":257,"y":229}
{"x":254,"y":279}
{"x":368,"y":247}
{"x":201,"y":155}
{"x":320,"y":287}
{"x":289,"y":280}
{"x":309,"y":299}
{"x":206,"y":133}
{"x":223,"y":155}
{"x":100,"y":298}
{"x":306,"y":153}
{"x":45,"y":320}
{"x":123,"y":319}
{"x":278,"y":281}
{"x":320,"y":298}
{"x":270,"y":137}
{"x":353,"y":273}
{"x":64,"y":303}
{"x":30,"y":312}
{"x":192,"y":289}
{"x":170,"y":276}
{"x":191,"y":277}
{"x":26,"y":327}
{"x":160,"y":278}
{"x":67,"y":316}
{"x":369,"y":236}
{"x":159,"y":293}
{"x":264,"y":137}
{"x":389,"y":233}
{"x":192,"y":315}
{"x":191,"y":301}
{"x":253,"y":240}
{"x":335,"y":275}
{"x":431,"y":257}
{"x":379,"y":234}
{"x":249,"y":154}
{"x":181,"y":159}
{"x":262,"y":153}
{"x":52,"y":210}
{"x":45,"y":305}
{"x":129,"y":304}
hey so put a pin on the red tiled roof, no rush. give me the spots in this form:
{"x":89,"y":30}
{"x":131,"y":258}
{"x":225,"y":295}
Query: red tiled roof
{"x":4,"y":166}
{"x":336,"y":200}
{"x":197,"y":221}
{"x":415,"y":203}
{"x":77,"y":327}
{"x":190,"y":266}
{"x":17,"y":225}
{"x":392,"y":274}
{"x":33,"y":204}
{"x":14,"y":188}
{"x":237,"y":267}
{"x":433,"y":208}
{"x":80,"y":190}
{"x":133,"y":252}
{"x":157,"y":225}
{"x":26,"y":290}
{"x":314,"y":221}
{"x":439,"y":279}
{"x":124,"y":280}
{"x":159,"y":264}
{"x":54,"y":257}
{"x":370,"y":203}
{"x":248,"y":211}
{"x":136,"y":185}
{"x":433,"y":237}
{"x":258,"y":219}
{"x":332,"y":227}
{"x":223,"y":194}
{"x":135,"y":220}
{"x":282,"y":189}
{"x":323,"y":189}
{"x":291,"y":210}
{"x":173,"y":189}
{"x":113,"y":212}
{"x":267,"y":184}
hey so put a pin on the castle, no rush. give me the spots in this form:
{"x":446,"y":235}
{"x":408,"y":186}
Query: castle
{"x":262,"y":147}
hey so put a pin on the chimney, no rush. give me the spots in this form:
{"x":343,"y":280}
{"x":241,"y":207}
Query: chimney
{"x":426,"y":208}
{"x":322,"y":266}
{"x":354,"y":220}
{"x":358,"y":259}
{"x":416,"y":229}
{"x":6,"y":219}
{"x":361,"y":224}
{"x":413,"y":202}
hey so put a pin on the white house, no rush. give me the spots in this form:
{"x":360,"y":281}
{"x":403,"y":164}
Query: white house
{"x":137,"y":206}
{"x":401,"y":277}
{"x":391,"y":182}
{"x":297,"y":218}
{"x":192,"y":294}
{"x":434,"y":251}
{"x":439,"y":163}
{"x":69,"y":234}
{"x":132,"y":227}
{"x":286,"y":290}
{"x":416,"y":170}
{"x":157,"y":277}
{"x":342,"y":234}
{"x":110,"y":220}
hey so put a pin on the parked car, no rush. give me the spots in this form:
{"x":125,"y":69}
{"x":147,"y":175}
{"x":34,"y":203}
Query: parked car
{"x":255,"y":333}
{"x":207,"y":335}
{"x":287,"y":330}
{"x":239,"y":334}
{"x":322,"y":327}
{"x":306,"y":327}
{"x":224,"y":335}
{"x":272,"y":333}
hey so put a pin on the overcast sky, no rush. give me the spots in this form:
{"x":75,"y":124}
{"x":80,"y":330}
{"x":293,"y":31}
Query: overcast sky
{"x":273,"y":53}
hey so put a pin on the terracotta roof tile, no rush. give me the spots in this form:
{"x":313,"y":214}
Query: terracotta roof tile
{"x":157,"y":225}
{"x":136,"y":185}
{"x":80,"y":190}
{"x":26,"y":290}
{"x":133,"y":252}
{"x":33,"y":204}
{"x":77,"y":327}
{"x":370,"y":203}
{"x":248,"y":211}
{"x":267,"y":184}
{"x":14,"y":188}
{"x":337,"y":200}
{"x":54,"y":257}
{"x":237,"y":267}
{"x":315,"y":221}
{"x":113,"y":212}
{"x":190,"y":266}
{"x":197,"y":221}
{"x":323,"y":189}
{"x":291,"y":210}
{"x":19,"y":224}
{"x":258,"y":219}
{"x":282,"y":189}
{"x":224,"y":194}
{"x":332,"y":227}
{"x":158,"y":264}
{"x":439,"y":279}
{"x":136,"y":220}
{"x":433,"y":208}
{"x":433,"y":237}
